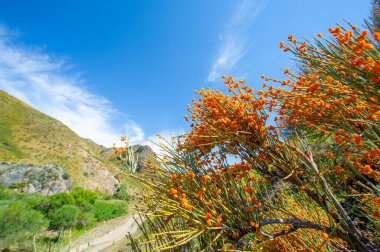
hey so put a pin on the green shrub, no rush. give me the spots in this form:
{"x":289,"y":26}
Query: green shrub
{"x":87,"y":207}
{"x":4,"y":203}
{"x":6,"y":194}
{"x":18,"y":185}
{"x":85,"y":219}
{"x":108,"y":197}
{"x":83,"y":197}
{"x":61,"y":199}
{"x":64,"y":217}
{"x":66,"y":176}
{"x":122,"y":193}
{"x":18,"y":221}
{"x":34,"y":200}
{"x":106,"y":211}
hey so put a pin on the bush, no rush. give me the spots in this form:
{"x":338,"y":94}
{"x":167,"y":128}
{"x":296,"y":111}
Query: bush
{"x":18,"y":221}
{"x":107,"y":197}
{"x":83,"y":197}
{"x":61,"y":199}
{"x":312,"y":188}
{"x":85,"y":219}
{"x":7,"y":194}
{"x":64,"y":217}
{"x":122,"y":193}
{"x":66,"y":176}
{"x":37,"y":201}
{"x":106,"y":211}
{"x":18,"y":185}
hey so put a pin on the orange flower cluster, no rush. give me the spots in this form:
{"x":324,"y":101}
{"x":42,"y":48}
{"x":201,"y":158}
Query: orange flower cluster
{"x":121,"y":151}
{"x":338,"y":96}
{"x":234,"y":114}
{"x":335,"y":99}
{"x":236,"y":122}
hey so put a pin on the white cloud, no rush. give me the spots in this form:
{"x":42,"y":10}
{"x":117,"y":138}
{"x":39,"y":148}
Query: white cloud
{"x":41,"y":80}
{"x":134,"y":133}
{"x":234,"y":43}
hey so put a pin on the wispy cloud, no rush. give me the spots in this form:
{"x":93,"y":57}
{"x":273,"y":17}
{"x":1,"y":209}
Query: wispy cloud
{"x":42,"y":81}
{"x":234,"y":44}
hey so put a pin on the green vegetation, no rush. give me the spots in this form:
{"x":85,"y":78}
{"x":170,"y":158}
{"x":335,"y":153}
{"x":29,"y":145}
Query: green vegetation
{"x":24,"y":216}
{"x":64,"y":217}
{"x":108,"y":210}
{"x":122,"y":192}
{"x":29,"y":136}
{"x":19,"y":222}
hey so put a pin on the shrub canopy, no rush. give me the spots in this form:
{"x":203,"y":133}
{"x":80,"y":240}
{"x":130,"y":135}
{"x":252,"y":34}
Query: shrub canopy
{"x":294,"y":166}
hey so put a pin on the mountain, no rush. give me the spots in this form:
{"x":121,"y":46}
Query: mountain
{"x":31,"y":140}
{"x":143,"y":153}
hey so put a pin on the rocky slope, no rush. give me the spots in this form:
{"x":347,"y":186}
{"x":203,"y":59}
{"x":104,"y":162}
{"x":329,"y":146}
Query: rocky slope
{"x":46,"y":179}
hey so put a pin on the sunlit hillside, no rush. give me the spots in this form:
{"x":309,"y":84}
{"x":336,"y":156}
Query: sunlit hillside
{"x":27,"y":135}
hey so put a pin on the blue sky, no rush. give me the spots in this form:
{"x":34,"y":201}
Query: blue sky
{"x":105,"y":67}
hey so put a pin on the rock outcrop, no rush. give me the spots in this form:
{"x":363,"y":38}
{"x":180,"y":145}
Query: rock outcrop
{"x":96,"y":175}
{"x":46,"y":179}
{"x":143,"y":154}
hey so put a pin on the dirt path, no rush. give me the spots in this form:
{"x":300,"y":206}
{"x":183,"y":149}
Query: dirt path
{"x":104,"y":235}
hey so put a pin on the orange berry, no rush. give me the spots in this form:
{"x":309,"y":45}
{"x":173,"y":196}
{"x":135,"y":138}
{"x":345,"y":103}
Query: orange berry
{"x":191,"y":175}
{"x":325,"y":236}
{"x":205,"y":177}
{"x":376,"y":36}
{"x":174,"y":176}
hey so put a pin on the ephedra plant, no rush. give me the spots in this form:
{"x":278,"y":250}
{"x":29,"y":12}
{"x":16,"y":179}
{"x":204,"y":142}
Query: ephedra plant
{"x":305,"y":172}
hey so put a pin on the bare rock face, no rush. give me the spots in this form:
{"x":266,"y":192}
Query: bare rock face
{"x":46,"y":179}
{"x":144,"y":154}
{"x":96,"y":175}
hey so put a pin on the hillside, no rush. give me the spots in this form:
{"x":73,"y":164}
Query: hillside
{"x":29,"y":136}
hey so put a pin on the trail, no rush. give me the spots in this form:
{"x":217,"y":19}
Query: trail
{"x":104,"y":235}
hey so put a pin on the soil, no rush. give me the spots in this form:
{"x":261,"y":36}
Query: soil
{"x":105,"y":235}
